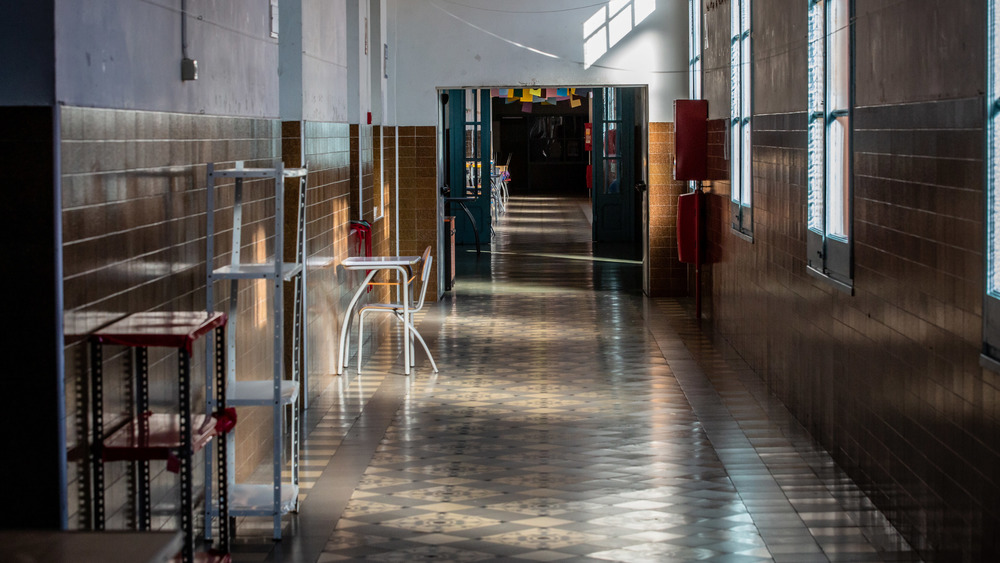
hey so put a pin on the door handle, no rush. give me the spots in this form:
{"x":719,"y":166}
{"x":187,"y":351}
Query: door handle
{"x":640,"y":186}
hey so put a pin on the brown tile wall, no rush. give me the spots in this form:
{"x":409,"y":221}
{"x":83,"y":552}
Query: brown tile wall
{"x":326,"y":149}
{"x":133,"y":197}
{"x":887,"y":379}
{"x":418,"y":195}
{"x":668,"y":277}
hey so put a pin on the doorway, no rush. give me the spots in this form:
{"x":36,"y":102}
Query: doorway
{"x":588,"y":143}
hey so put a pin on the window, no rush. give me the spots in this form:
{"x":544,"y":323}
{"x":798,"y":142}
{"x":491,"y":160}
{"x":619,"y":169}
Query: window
{"x":694,"y":49}
{"x":829,"y":141}
{"x":991,"y":304}
{"x":740,"y":110}
{"x":694,"y":58}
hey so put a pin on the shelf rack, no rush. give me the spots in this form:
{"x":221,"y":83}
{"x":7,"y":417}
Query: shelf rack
{"x":280,"y":496}
{"x":145,"y":436}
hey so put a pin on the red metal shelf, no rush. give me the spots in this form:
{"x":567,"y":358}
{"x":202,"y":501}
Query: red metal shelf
{"x":173,"y":330}
{"x":156,"y":436}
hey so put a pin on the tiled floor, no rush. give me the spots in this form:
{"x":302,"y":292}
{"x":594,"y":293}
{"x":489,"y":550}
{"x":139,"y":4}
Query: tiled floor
{"x":572,"y":420}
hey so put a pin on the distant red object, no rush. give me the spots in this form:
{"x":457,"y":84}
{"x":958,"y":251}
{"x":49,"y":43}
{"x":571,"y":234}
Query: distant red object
{"x":688,"y":210}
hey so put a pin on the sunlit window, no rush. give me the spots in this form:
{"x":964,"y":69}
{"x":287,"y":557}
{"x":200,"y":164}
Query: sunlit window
{"x":694,"y":57}
{"x":694,"y":49}
{"x":610,"y":24}
{"x":993,"y":149}
{"x":829,"y":140}
{"x":741,"y":84}
{"x":991,"y":304}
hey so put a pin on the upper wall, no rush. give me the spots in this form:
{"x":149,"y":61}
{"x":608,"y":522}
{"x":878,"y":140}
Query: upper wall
{"x":904,"y":65}
{"x":313,"y":65}
{"x":779,"y":68}
{"x":523,"y":42}
{"x":124,"y":54}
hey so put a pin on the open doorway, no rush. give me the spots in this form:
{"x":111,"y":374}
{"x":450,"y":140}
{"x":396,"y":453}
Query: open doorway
{"x":584,"y":143}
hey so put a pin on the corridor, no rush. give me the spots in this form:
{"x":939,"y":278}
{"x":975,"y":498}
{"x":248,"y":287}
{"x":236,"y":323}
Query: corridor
{"x":572,"y":420}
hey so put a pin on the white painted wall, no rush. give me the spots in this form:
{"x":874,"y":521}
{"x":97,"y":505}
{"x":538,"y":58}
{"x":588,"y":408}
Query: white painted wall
{"x":379,"y":82}
{"x":127,"y":55}
{"x":475,"y":43}
{"x":324,"y":60}
{"x":359,"y":49}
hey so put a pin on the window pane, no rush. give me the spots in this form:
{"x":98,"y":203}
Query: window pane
{"x":735,"y":140}
{"x":815,"y":172}
{"x":838,"y":178}
{"x":993,"y":171}
{"x":734,"y":84}
{"x":694,"y":48}
{"x":610,"y":139}
{"x":839,"y":55}
{"x":745,"y":82}
{"x":993,"y":151}
{"x":816,"y":129}
{"x":745,"y":182}
{"x":817,"y":64}
{"x":611,"y":176}
{"x":735,"y":101}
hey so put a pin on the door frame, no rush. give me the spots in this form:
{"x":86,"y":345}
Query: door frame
{"x":640,"y":160}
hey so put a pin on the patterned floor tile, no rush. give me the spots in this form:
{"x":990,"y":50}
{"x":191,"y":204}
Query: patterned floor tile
{"x":572,"y":419}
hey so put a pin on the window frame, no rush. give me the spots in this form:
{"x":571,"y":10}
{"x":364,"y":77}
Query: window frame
{"x":830,"y":252}
{"x":694,"y":59}
{"x":740,"y":116}
{"x":990,"y":354}
{"x":694,"y":49}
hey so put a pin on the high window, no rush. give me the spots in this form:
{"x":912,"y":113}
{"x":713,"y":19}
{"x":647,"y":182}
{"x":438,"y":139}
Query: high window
{"x":694,"y":49}
{"x":694,"y":58}
{"x":991,"y":304}
{"x":829,"y":141}
{"x":740,"y":110}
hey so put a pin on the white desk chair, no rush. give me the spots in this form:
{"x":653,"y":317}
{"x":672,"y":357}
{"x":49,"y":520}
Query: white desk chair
{"x":397,"y":310}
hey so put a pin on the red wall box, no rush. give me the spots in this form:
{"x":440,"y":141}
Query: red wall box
{"x":691,"y":130}
{"x":688,"y":209}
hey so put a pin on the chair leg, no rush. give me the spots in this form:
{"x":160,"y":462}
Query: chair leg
{"x":414,"y":332}
{"x":361,"y":334}
{"x":346,"y":353}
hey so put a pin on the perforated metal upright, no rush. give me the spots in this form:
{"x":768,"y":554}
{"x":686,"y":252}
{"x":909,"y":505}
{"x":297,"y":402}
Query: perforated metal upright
{"x":144,"y":435}
{"x":280,"y":496}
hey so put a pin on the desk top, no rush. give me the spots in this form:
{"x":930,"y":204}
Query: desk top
{"x":57,"y":547}
{"x":376,"y":262}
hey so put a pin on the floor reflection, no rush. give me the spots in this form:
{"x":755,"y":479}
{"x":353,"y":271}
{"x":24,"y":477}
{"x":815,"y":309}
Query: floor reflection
{"x":572,"y":420}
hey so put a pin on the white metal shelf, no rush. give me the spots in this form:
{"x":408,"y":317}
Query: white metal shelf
{"x":283,"y":388}
{"x":264,"y":270}
{"x":251,"y":393}
{"x":258,"y":500}
{"x":240,"y":172}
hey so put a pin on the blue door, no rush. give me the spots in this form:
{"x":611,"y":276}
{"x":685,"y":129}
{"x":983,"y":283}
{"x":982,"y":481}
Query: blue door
{"x":468,"y":138}
{"x":614,"y":196}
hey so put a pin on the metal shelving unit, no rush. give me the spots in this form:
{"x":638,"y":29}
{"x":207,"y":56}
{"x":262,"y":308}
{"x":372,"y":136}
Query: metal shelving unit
{"x":144,"y":436}
{"x":280,"y":496}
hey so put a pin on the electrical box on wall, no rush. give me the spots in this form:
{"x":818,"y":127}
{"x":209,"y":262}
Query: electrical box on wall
{"x":691,"y":136}
{"x":189,"y":69}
